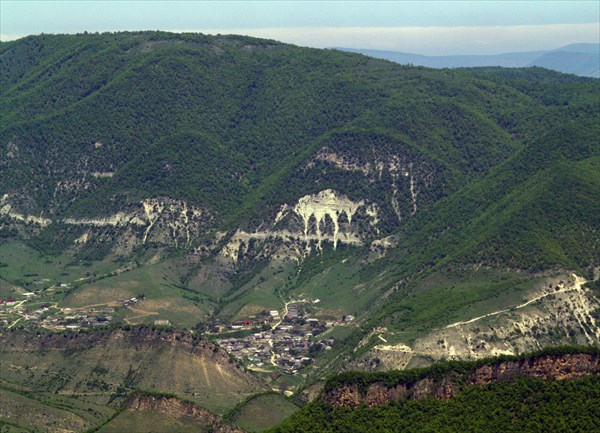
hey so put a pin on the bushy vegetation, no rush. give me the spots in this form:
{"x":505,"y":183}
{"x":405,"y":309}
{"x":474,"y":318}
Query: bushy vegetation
{"x":524,"y":405}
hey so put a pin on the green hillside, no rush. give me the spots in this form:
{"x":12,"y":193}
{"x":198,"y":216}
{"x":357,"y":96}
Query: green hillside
{"x":509,"y":398}
{"x":398,"y":215}
{"x":527,"y":405}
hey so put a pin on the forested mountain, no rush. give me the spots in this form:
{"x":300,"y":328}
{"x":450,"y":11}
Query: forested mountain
{"x":310,"y":210}
{"x":556,"y":390}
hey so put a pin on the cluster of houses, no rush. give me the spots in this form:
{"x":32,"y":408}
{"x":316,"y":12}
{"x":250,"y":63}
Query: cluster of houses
{"x":95,"y":318}
{"x":43,"y":315}
{"x":255,"y":349}
{"x":289,"y":346}
{"x":129,"y":302}
{"x":8,"y":308}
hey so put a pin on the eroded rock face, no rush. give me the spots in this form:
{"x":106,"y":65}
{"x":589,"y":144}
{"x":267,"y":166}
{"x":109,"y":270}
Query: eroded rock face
{"x":406,"y":176}
{"x":160,"y":221}
{"x":547,"y":367}
{"x":323,"y":217}
{"x":7,"y":210}
{"x":325,"y":204}
{"x":560,"y":310}
{"x":344,"y":396}
{"x":378,"y":394}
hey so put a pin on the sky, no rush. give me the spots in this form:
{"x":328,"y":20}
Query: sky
{"x":423,"y":27}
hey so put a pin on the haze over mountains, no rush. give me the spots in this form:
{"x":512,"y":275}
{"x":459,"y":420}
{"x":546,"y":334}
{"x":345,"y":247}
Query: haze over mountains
{"x":264,"y":216}
{"x":579,"y":59}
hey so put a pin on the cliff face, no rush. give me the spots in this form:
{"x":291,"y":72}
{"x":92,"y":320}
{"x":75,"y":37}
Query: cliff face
{"x":562,"y":367}
{"x":160,"y":222}
{"x":547,"y":367}
{"x":176,"y":408}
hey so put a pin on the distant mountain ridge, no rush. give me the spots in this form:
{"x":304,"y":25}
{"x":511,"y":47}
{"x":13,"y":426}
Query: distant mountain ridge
{"x":579,"y":59}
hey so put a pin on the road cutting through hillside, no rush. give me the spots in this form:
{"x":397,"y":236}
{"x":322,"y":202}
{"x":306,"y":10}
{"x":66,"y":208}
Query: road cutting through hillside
{"x":20,"y":317}
{"x":143,"y":314}
{"x":576,"y":286}
{"x":578,"y":283}
{"x":274,"y":326}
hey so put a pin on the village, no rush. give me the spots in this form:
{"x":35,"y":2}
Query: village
{"x":30,"y":311}
{"x":286,"y":341}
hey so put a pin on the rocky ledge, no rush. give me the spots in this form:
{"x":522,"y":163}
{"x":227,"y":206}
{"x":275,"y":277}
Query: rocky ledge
{"x":380,"y":389}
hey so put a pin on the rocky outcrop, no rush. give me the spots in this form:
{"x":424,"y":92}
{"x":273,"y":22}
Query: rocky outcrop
{"x":180,"y":409}
{"x":323,"y":217}
{"x":560,"y":310}
{"x":7,"y":210}
{"x":407,"y":177}
{"x":570,"y":366}
{"x":546,"y":367}
{"x":160,"y":221}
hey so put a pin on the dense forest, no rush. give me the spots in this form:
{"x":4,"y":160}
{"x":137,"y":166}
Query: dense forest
{"x":229,"y":123}
{"x":525,"y":405}
{"x":516,"y":403}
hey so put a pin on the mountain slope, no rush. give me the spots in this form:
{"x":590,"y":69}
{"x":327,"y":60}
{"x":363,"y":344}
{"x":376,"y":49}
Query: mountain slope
{"x":104,"y":368}
{"x":209,"y":182}
{"x":556,"y":391}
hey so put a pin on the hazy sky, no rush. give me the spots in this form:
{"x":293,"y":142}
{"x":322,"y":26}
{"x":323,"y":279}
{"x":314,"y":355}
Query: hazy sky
{"x":425,"y":27}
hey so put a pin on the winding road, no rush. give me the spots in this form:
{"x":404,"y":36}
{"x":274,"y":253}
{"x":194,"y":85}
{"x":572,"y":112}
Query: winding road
{"x":275,"y":325}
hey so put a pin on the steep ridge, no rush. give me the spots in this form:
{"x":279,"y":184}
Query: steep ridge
{"x":553,"y":390}
{"x":176,"y":414}
{"x":444,"y":382}
{"x":110,"y":365}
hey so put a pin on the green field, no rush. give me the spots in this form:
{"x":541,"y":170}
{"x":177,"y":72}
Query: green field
{"x":22,"y":265}
{"x":262,"y":412}
{"x":159,"y":283}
